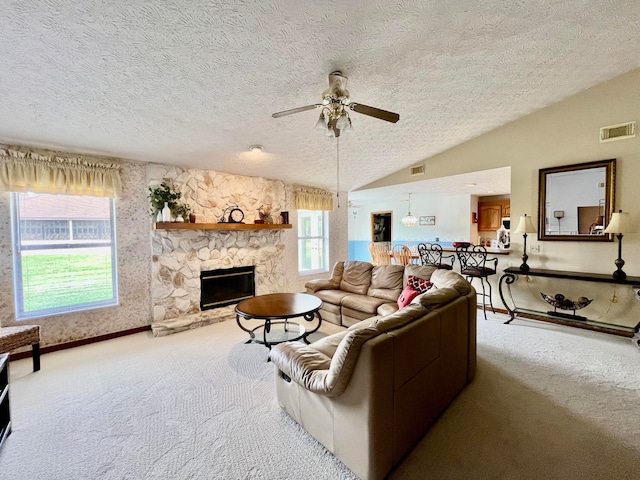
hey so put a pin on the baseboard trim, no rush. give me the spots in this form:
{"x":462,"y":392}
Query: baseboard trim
{"x":78,"y":343}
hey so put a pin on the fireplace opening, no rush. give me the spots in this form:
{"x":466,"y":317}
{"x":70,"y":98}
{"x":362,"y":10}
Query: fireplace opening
{"x":225,"y":286}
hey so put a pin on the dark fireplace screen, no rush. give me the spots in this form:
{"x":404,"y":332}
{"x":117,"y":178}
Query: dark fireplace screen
{"x":225,"y":286}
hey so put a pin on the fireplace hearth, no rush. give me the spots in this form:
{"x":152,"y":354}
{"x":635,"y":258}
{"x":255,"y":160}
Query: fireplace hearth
{"x":225,"y":286}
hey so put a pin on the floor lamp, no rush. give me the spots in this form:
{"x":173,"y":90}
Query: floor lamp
{"x":525,"y":226}
{"x":620,"y":223}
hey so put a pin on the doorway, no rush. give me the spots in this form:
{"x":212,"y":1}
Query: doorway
{"x":381,"y":223}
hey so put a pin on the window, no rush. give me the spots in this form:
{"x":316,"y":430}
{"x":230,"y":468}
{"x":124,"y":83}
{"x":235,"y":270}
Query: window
{"x":64,"y":253}
{"x":313,"y":241}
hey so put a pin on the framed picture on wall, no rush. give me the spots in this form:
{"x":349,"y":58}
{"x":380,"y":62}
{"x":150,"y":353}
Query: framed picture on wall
{"x":427,"y":221}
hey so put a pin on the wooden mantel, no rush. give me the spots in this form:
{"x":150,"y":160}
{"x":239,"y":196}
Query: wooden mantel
{"x":220,"y":226}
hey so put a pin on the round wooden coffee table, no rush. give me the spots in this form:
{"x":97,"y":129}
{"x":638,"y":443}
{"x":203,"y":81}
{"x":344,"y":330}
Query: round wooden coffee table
{"x":276,"y":309}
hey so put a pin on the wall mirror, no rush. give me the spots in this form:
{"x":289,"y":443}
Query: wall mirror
{"x":576,"y":201}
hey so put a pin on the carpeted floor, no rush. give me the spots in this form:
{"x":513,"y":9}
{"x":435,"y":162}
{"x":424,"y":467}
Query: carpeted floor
{"x":548,"y":402}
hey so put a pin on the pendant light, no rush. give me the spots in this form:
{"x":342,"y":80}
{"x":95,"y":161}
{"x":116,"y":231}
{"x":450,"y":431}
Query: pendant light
{"x":409,"y":220}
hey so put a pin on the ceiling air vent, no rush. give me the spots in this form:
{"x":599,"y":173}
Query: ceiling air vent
{"x":618,"y":132}
{"x":417,"y":170}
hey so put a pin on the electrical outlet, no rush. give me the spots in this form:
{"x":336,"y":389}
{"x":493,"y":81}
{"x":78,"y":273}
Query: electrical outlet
{"x":636,"y":293}
{"x":534,"y":248}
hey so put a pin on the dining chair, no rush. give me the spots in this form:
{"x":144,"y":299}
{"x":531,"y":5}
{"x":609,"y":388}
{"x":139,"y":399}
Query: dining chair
{"x":431,"y":254}
{"x":380,"y":254}
{"x":473,"y":264}
{"x":402,"y":255}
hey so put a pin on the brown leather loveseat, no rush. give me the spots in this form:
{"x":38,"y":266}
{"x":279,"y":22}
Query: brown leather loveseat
{"x":370,"y":392}
{"x":359,"y":290}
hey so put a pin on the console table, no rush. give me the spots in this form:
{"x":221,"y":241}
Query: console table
{"x":511,"y":274}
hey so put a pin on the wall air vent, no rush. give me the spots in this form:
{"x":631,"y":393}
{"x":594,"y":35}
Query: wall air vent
{"x":618,"y":132}
{"x":417,"y":170}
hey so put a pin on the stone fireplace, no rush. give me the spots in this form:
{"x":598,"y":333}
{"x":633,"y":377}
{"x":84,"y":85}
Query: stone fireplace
{"x":179,"y":256}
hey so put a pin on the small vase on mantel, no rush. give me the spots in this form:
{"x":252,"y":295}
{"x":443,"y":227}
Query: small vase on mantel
{"x":179,"y":219}
{"x":166,"y":213}
{"x":159,"y":216}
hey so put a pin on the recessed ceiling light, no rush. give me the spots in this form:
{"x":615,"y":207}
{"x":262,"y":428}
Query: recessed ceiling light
{"x":491,"y":191}
{"x":256,"y":148}
{"x":471,"y":184}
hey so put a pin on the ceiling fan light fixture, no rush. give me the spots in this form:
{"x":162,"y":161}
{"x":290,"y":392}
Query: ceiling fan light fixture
{"x":342,"y":122}
{"x":321,"y":124}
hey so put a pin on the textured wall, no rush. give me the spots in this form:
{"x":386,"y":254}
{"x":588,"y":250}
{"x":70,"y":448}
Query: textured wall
{"x":134,"y":310}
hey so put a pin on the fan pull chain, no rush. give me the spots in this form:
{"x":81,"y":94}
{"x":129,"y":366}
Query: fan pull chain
{"x":338,"y":169}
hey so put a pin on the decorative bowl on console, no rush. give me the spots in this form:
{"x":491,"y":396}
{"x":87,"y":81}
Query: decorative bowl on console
{"x":563,"y":303}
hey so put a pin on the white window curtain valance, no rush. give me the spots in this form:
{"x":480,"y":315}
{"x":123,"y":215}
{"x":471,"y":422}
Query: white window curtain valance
{"x":23,"y":170}
{"x":308,"y":198}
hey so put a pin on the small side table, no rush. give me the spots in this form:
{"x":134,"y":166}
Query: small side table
{"x":276,"y":309}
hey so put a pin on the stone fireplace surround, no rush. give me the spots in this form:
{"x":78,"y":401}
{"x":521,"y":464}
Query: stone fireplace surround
{"x":178,"y":256}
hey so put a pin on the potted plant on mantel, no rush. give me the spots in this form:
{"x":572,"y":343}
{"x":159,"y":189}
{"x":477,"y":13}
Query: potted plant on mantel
{"x":165,"y":197}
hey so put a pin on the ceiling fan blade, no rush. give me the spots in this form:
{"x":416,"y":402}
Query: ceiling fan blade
{"x":296,"y":110}
{"x":375,"y":112}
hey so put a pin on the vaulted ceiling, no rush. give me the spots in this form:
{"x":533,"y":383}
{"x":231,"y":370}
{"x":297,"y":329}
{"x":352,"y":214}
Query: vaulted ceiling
{"x":194,"y":83}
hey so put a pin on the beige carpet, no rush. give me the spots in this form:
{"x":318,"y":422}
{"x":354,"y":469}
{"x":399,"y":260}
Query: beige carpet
{"x":548,"y":402}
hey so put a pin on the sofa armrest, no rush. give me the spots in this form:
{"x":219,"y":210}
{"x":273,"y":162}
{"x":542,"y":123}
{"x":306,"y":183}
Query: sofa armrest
{"x":313,"y":286}
{"x":317,"y":372}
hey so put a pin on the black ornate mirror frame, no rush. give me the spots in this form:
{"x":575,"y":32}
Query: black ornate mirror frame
{"x":607,"y":208}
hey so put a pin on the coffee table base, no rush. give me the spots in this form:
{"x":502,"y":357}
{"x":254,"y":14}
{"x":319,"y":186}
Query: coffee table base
{"x":272,"y":333}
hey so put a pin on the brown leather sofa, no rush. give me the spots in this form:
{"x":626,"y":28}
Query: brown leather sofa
{"x":370,"y":392}
{"x":359,"y":290}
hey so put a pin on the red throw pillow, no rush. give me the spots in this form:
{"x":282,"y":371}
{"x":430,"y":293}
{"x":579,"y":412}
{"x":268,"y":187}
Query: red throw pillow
{"x":419,"y":284}
{"x":406,"y":296}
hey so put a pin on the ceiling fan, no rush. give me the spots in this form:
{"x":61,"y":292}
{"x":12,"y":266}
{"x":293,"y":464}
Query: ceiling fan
{"x":335,"y":106}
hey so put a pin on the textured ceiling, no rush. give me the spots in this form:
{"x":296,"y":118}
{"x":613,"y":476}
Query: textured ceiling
{"x":194,"y":83}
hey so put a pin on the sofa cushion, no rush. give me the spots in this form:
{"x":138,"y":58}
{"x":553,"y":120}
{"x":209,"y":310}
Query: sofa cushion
{"x":356,"y":277}
{"x":447,"y":278}
{"x":331,"y":296}
{"x":362,"y":303}
{"x":420,"y":271}
{"x":387,"y":309}
{"x":386,"y":282}
{"x":437,"y":296}
{"x":408,"y":294}
{"x":328,"y":345}
{"x":399,"y":318}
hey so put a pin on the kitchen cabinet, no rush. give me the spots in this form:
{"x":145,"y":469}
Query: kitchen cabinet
{"x":491,"y":213}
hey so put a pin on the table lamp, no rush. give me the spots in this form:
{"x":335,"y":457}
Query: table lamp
{"x":620,"y":223}
{"x":525,"y":226}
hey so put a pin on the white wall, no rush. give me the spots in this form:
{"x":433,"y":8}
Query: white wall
{"x":453,"y":219}
{"x":562,"y":134}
